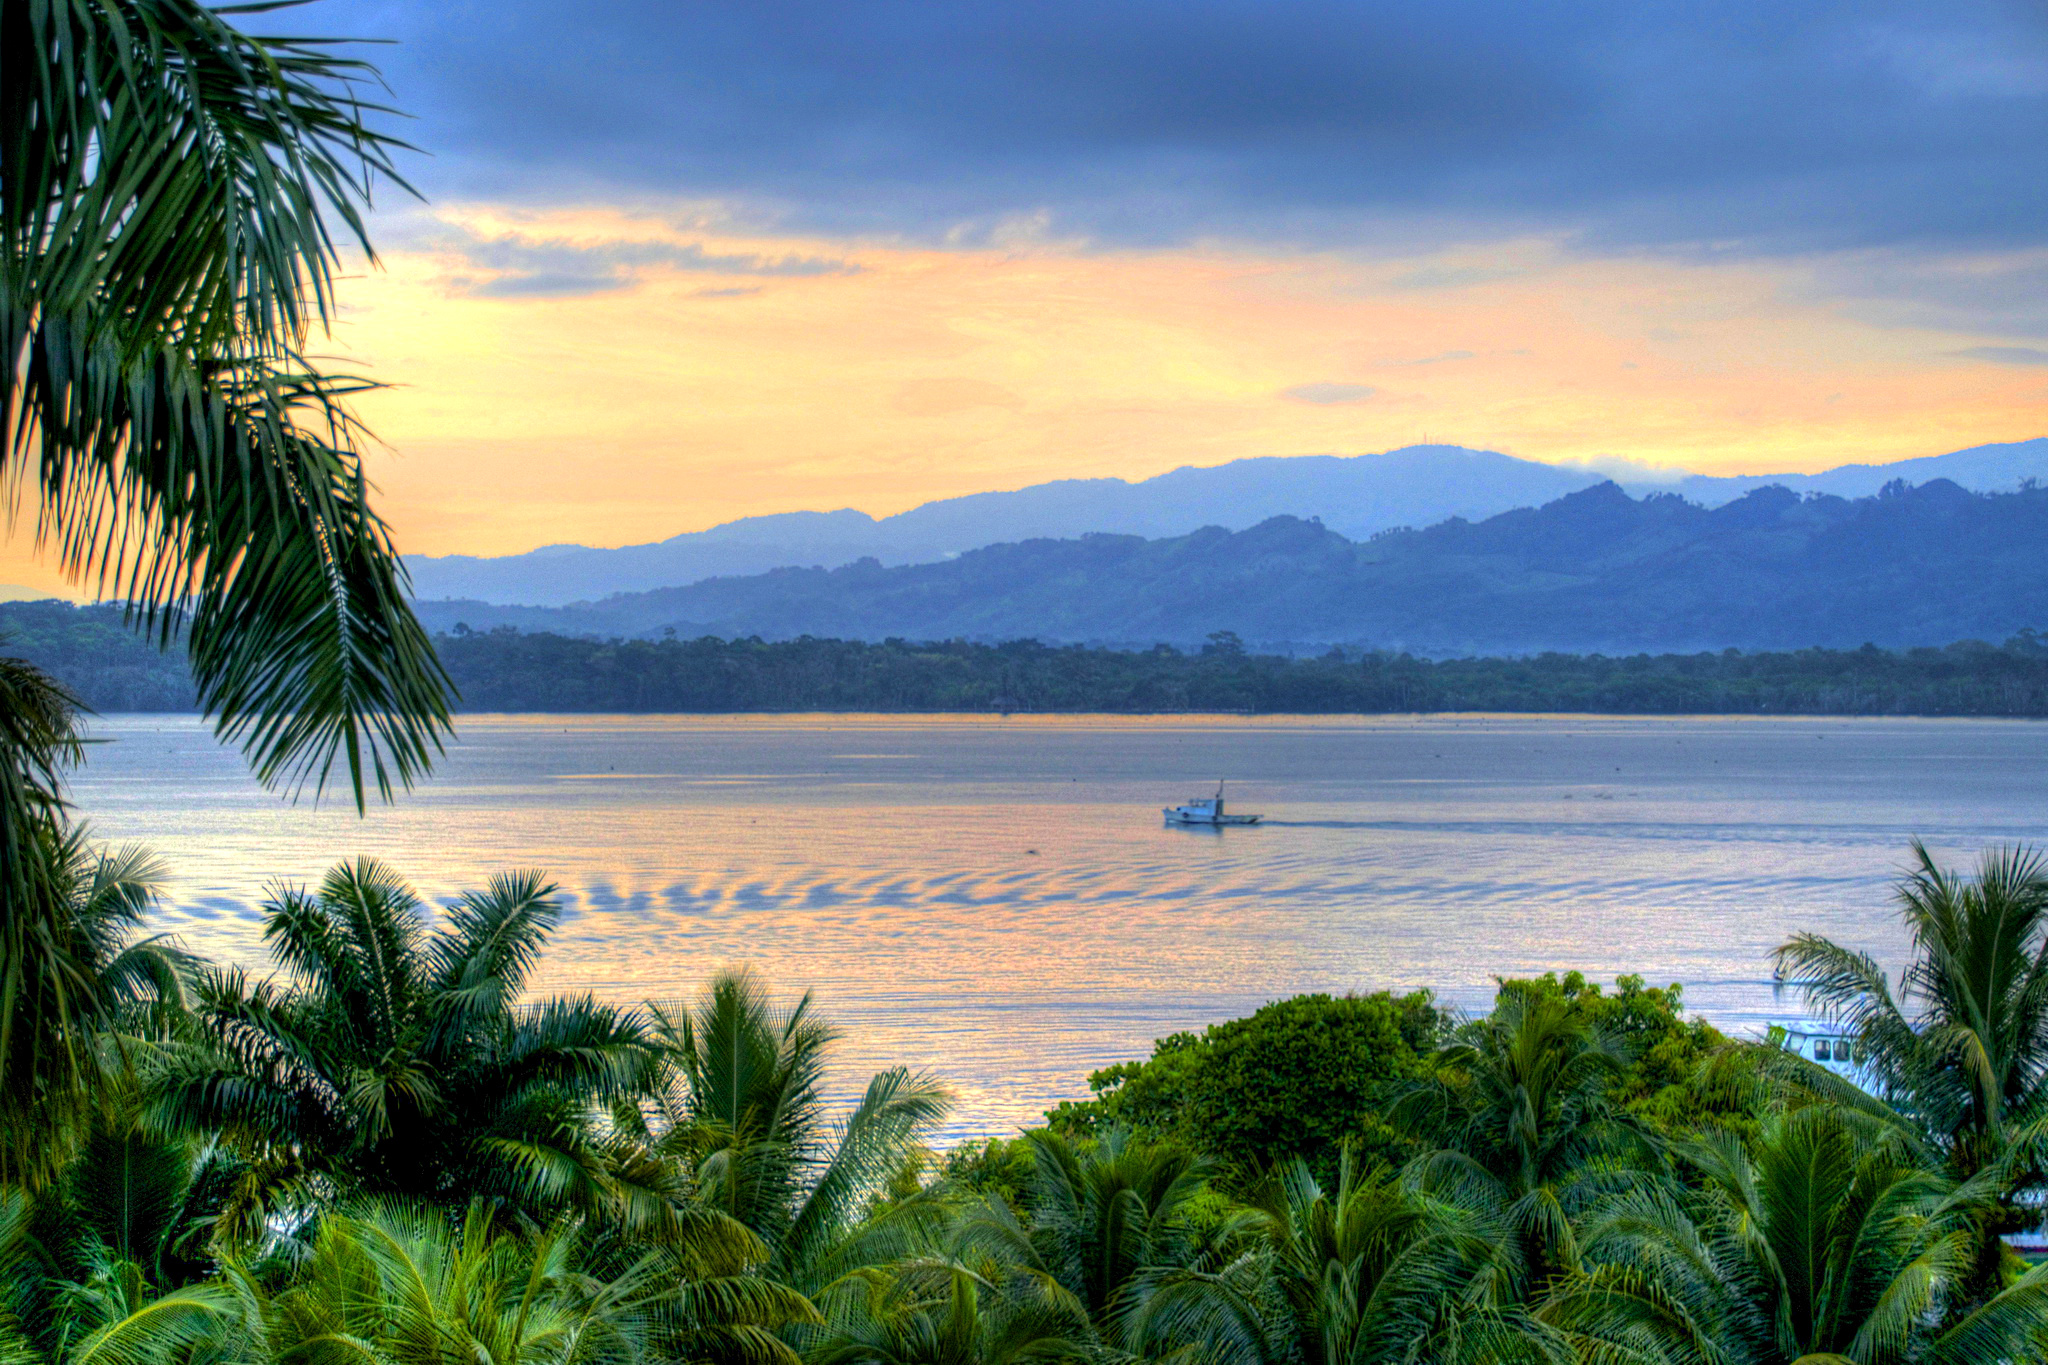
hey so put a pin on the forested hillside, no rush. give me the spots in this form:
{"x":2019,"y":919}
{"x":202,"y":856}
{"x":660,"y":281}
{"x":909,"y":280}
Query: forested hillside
{"x":1594,"y":571}
{"x":97,"y":655}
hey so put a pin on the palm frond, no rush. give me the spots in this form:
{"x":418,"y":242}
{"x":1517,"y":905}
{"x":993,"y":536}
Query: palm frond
{"x":168,"y":189}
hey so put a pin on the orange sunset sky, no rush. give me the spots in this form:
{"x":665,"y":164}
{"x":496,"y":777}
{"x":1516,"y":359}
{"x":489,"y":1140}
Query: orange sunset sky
{"x":682,"y":399}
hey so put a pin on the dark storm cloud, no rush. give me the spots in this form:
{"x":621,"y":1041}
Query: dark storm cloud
{"x":1708,"y":124}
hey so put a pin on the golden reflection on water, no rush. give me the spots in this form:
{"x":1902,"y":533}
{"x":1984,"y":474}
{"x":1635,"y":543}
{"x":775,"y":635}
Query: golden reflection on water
{"x":997,"y":900}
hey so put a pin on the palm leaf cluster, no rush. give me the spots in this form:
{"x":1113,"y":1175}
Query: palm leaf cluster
{"x":386,"y":1150}
{"x":77,"y":994}
{"x":394,"y":1061}
{"x":1960,"y":1042}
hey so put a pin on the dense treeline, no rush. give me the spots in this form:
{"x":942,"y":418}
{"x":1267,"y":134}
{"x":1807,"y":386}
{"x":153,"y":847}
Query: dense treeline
{"x":111,"y":670}
{"x":507,"y":671}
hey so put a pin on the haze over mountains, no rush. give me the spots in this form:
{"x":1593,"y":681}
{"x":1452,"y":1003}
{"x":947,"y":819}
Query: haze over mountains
{"x":1355,"y":497}
{"x":1595,"y":570}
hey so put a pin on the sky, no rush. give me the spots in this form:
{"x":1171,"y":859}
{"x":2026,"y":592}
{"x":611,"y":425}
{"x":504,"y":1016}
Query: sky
{"x":679,"y":261}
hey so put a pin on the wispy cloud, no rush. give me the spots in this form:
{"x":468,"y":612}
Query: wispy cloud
{"x":1326,"y":392}
{"x":1439,"y":358}
{"x":1452,"y":277}
{"x":561,"y":267}
{"x":546,"y":284}
{"x":2005,"y":355}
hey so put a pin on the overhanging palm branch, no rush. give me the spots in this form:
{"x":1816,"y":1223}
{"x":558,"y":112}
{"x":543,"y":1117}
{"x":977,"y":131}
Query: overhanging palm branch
{"x":171,"y":190}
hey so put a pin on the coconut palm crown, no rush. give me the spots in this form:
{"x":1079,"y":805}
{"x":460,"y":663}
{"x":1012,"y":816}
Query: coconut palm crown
{"x":395,"y":1061}
{"x":1960,"y":1046}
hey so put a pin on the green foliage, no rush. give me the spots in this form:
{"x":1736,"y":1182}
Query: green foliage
{"x":1370,"y":1273}
{"x":406,"y":1286}
{"x":1518,"y":1111}
{"x":737,"y":1108}
{"x":1297,"y":1079}
{"x":1821,"y":1237}
{"x":938,"y":1311}
{"x":1103,"y":1211}
{"x":996,"y":1168}
{"x":1677,"y":1074}
{"x":71,"y":980}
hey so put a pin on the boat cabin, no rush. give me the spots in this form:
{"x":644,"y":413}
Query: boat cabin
{"x":1827,"y":1044}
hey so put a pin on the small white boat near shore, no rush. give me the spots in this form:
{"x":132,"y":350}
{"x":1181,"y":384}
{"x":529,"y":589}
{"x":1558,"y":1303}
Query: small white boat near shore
{"x":1206,"y":810}
{"x":1830,"y":1045}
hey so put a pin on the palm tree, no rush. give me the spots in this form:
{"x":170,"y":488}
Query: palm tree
{"x":1523,"y":1131}
{"x":70,"y":980}
{"x":1822,"y":1241}
{"x":86,"y":1305}
{"x":741,"y":1110}
{"x":394,"y":1061}
{"x":173,"y":196}
{"x":1112,"y":1222}
{"x":405,"y":1285}
{"x":1962,"y":1045}
{"x":1127,"y":1245}
{"x":939,"y":1311}
{"x":43,"y":1077}
{"x":1371,"y":1274}
{"x":119,"y":1242}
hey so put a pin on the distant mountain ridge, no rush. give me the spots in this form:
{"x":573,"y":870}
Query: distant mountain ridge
{"x":1595,"y":570}
{"x":1355,"y":496}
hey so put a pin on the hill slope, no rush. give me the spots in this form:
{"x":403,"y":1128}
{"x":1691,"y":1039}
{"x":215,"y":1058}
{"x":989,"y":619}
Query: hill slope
{"x":1355,"y":496}
{"x":1595,"y":570}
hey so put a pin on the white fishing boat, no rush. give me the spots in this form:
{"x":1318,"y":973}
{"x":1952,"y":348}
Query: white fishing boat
{"x":1206,"y":810}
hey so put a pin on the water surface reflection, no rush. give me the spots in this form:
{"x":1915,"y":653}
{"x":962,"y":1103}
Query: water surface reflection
{"x":997,"y":900}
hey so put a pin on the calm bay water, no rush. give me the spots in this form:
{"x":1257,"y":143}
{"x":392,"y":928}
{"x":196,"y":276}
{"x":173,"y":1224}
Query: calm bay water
{"x":996,"y":900}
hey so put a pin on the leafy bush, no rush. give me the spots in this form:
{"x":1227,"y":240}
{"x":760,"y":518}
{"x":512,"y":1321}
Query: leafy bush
{"x":1298,"y":1078}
